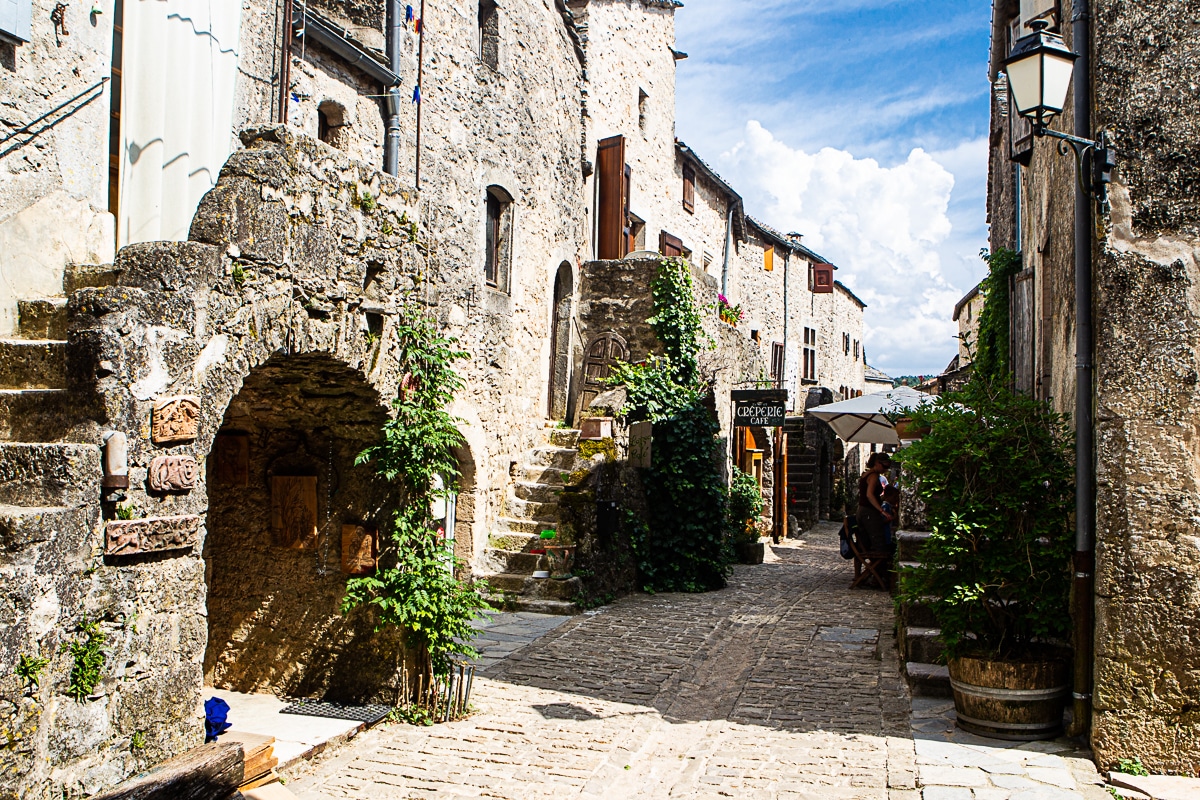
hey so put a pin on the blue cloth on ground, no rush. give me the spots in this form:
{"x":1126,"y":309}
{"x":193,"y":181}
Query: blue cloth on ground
{"x":216,"y":711}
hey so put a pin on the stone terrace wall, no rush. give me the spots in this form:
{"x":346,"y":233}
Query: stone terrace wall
{"x":289,"y":272}
{"x":1147,"y":693}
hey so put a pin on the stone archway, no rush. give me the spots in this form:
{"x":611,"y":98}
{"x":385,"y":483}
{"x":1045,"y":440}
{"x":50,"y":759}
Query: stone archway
{"x":290,"y":518}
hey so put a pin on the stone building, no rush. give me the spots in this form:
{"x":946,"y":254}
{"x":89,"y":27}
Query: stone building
{"x":201,"y":336}
{"x":1147,"y":577}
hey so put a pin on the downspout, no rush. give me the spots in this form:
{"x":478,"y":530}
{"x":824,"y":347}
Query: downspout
{"x":421,"y":99}
{"x":391,"y":142}
{"x":728,"y":251}
{"x":285,"y":63}
{"x":1085,"y":469}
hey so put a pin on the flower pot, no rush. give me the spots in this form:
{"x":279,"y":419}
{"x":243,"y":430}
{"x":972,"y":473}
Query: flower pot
{"x":1015,"y":700}
{"x":561,"y":559}
{"x":908,"y":430}
{"x":750,"y":552}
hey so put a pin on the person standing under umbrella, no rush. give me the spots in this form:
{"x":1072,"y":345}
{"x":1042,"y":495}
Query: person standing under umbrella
{"x":873,"y":521}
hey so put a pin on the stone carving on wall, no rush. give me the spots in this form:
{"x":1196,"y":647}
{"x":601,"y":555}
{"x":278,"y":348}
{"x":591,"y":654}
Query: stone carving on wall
{"x":175,"y":419}
{"x":294,"y":511}
{"x":231,"y":466}
{"x":151,"y":535}
{"x":173,"y":474}
{"x":358,"y":550}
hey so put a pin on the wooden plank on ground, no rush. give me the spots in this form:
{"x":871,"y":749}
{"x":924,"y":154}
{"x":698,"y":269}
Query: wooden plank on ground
{"x":209,"y":772}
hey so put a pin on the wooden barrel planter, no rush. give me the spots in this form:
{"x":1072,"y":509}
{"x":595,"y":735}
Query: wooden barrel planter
{"x":1015,"y":700}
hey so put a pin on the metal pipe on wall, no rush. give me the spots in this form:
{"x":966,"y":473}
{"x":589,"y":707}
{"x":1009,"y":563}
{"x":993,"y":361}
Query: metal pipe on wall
{"x":1083,"y":598}
{"x":285,"y":61}
{"x":421,"y":99}
{"x":391,"y":142}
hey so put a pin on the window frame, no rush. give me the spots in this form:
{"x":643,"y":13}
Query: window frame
{"x":497,"y":239}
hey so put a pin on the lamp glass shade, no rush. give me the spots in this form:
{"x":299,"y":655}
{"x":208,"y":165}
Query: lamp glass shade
{"x":1039,"y":75}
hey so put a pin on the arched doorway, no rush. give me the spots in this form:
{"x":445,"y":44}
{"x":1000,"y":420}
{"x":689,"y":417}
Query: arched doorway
{"x":290,"y":518}
{"x":560,"y":343}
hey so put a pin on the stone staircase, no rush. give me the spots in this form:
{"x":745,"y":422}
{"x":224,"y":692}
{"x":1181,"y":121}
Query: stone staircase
{"x":920,"y":639}
{"x":802,"y":466}
{"x":531,"y":506}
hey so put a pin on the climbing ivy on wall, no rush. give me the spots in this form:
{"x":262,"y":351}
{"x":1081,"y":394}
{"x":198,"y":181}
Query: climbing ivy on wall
{"x":991,"y":357}
{"x":683,"y":542}
{"x":416,"y":587}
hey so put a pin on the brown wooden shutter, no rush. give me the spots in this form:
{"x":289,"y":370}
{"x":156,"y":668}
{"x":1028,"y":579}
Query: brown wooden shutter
{"x":610,"y":172}
{"x":629,"y":245}
{"x":1022,"y":330}
{"x":822,"y":279}
{"x":689,"y":189}
{"x":669,"y":245}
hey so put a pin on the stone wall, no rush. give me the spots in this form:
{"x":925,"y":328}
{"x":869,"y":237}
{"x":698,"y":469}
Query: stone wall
{"x":54,"y":106}
{"x":275,"y":289}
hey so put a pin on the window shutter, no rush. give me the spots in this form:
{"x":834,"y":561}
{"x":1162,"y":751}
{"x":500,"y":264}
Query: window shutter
{"x":670,"y":246}
{"x":822,"y":279}
{"x":15,"y":18}
{"x":1022,"y":330}
{"x":610,"y":172}
{"x":627,"y":237}
{"x":689,"y":189}
{"x":769,"y":259}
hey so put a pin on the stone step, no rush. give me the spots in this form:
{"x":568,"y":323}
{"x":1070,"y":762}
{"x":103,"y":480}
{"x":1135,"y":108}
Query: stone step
{"x":49,"y":475}
{"x":511,"y":525}
{"x":515,"y":541}
{"x":44,"y":415}
{"x":531,"y":510}
{"x":562,"y":608}
{"x":509,"y":561}
{"x":84,"y":276}
{"x":909,"y":544}
{"x":537,"y":492}
{"x":22,"y":527}
{"x":927,"y":680}
{"x":564,"y":437}
{"x":918,"y":615}
{"x":923,"y":645}
{"x":43,"y":318}
{"x":33,"y":364}
{"x":547,"y":476}
{"x":532,"y":588}
{"x":561,"y":458}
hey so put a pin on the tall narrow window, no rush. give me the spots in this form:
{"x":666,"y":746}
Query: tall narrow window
{"x":114,"y":109}
{"x":330,"y":119}
{"x":642,"y":98}
{"x":689,"y":189}
{"x":810,"y":355}
{"x":497,"y":253}
{"x":777,"y":361}
{"x":489,"y":33}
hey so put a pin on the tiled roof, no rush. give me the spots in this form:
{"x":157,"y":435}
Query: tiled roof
{"x":784,"y":241}
{"x":877,"y":375}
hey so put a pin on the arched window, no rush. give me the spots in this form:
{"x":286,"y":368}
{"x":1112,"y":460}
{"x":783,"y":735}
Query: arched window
{"x":497,"y":253}
{"x":489,"y":33}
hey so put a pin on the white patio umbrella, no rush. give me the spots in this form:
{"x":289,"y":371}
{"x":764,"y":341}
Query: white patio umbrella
{"x":864,"y":419}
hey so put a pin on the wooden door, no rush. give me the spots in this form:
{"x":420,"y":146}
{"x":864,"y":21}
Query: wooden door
{"x":599,"y":356}
{"x":611,"y":214}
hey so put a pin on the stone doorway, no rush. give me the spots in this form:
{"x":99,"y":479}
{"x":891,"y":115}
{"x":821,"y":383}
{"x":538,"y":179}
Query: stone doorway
{"x":560,"y":343}
{"x":291,"y":517}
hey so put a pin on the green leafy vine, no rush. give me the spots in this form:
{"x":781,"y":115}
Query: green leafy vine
{"x":991,"y":347}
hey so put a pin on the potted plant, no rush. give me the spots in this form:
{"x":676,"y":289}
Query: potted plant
{"x":996,"y":473}
{"x":745,"y":506}
{"x":729,"y":313}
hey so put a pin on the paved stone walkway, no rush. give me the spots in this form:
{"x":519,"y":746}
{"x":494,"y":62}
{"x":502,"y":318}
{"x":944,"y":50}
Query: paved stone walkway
{"x":784,"y":685}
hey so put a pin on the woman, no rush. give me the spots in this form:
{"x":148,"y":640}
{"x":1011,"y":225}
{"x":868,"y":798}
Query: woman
{"x":873,"y":520}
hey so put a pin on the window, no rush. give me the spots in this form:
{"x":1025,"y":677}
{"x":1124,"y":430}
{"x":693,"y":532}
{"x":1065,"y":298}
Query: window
{"x":642,"y":98}
{"x":330,"y":118}
{"x":497,"y":254}
{"x":846,"y":343}
{"x":755,"y":336}
{"x":810,"y":355}
{"x":689,"y":189}
{"x":114,"y":109}
{"x":769,"y":258}
{"x":857,"y":349}
{"x":489,"y":33}
{"x":777,"y":362}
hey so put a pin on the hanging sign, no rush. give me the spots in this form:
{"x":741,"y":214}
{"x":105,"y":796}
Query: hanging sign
{"x":759,"y":408}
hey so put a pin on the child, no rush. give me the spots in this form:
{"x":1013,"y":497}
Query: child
{"x":891,"y":507}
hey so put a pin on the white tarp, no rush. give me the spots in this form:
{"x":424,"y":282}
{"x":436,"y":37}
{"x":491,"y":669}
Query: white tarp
{"x":178,"y":75}
{"x":865,"y":418}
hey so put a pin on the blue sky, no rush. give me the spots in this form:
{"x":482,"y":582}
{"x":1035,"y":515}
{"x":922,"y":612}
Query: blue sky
{"x":863,"y":125}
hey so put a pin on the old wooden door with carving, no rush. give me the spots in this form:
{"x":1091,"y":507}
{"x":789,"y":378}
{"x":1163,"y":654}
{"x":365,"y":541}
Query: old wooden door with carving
{"x":602,"y":351}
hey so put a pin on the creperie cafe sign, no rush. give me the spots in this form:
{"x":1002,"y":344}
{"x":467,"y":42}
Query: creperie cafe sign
{"x":759,"y":408}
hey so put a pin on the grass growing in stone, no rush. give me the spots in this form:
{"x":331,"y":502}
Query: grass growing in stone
{"x":29,"y":670}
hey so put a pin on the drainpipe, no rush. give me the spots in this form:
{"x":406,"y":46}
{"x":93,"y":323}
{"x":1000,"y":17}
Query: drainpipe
{"x":728,"y":251}
{"x":1085,"y":469}
{"x":421,"y":103}
{"x":285,"y":63}
{"x":391,"y":142}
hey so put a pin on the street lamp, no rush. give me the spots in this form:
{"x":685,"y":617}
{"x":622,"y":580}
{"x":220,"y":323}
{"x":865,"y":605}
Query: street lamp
{"x":1039,"y":74}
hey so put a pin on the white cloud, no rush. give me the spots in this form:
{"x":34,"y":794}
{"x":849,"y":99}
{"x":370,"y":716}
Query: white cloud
{"x":887,"y":228}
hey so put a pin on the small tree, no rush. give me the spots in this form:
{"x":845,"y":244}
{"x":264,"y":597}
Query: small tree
{"x":996,"y":473}
{"x":416,"y":587}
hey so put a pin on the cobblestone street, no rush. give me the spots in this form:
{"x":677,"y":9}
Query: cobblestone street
{"x":784,"y":685}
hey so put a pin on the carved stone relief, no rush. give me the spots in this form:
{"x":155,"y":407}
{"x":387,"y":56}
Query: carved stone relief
{"x":294,"y":511}
{"x":358,"y":550}
{"x":175,"y":419}
{"x":153,"y":534}
{"x":173,"y":474}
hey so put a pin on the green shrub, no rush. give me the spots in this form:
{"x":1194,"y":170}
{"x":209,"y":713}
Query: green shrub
{"x":745,"y":506}
{"x":87,"y":660}
{"x":996,"y":473}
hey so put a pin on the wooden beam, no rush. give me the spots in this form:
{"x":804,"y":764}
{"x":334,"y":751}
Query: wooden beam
{"x":209,"y":772}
